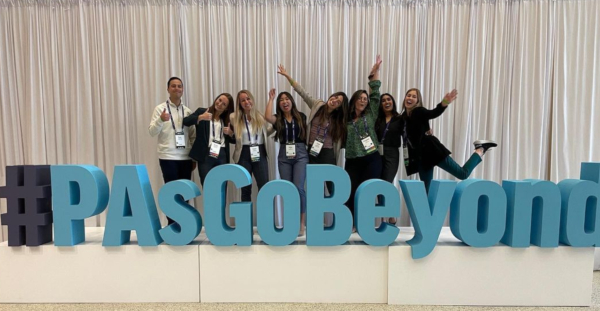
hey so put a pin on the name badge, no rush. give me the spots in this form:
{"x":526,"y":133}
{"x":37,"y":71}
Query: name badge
{"x":380,"y":149}
{"x":254,"y":153}
{"x":405,"y":153}
{"x":316,"y":147}
{"x":368,"y":144}
{"x":180,"y":140}
{"x":290,"y":151}
{"x":215,"y":148}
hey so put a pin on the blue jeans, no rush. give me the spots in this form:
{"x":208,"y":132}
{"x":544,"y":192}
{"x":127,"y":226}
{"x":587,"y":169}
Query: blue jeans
{"x":294,"y":170}
{"x":450,"y":166}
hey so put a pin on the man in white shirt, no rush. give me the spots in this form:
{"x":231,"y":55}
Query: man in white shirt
{"x":174,"y":139}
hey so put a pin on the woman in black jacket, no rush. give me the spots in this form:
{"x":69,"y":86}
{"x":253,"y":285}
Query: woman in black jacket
{"x":424,"y":151}
{"x":213,"y":134}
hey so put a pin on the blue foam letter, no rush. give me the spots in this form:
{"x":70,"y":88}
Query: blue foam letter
{"x":532,"y":214}
{"x":366,"y":211}
{"x":217,"y":230}
{"x":291,"y":214}
{"x":579,"y":217}
{"x":78,"y":192}
{"x":317,"y":204}
{"x":427,"y":212}
{"x":172,"y":199}
{"x":131,"y":207}
{"x":478,"y":212}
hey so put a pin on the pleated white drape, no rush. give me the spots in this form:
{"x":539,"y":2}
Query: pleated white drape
{"x":79,"y":78}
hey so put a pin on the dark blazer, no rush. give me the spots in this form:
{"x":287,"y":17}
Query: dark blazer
{"x":423,"y":150}
{"x":200,"y":147}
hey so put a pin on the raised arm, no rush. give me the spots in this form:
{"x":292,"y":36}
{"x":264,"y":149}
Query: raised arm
{"x":308,"y":99}
{"x":374,"y":84}
{"x":440,"y":108}
{"x":269,"y":110}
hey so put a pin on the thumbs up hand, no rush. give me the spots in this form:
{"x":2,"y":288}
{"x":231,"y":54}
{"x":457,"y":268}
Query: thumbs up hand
{"x":206,"y":116}
{"x":165,"y":115}
{"x":227,"y":130}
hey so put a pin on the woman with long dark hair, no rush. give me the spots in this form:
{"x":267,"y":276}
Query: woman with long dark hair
{"x":425,"y":151}
{"x":213,"y":134}
{"x":290,"y":126}
{"x":389,"y":127}
{"x":326,"y":124}
{"x":363,"y":162}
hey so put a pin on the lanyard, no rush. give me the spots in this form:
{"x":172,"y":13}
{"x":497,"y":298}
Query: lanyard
{"x":366,"y":127}
{"x":293,"y":131}
{"x":212,"y":122}
{"x":387,"y":126}
{"x":173,"y":122}
{"x":405,"y":136}
{"x":248,"y":129}
{"x":326,"y":130}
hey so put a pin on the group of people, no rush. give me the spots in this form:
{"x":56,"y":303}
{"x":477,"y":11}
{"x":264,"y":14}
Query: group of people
{"x":368,"y":126}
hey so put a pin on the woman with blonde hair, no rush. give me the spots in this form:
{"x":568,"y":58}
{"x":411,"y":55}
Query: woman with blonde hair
{"x":251,"y":131}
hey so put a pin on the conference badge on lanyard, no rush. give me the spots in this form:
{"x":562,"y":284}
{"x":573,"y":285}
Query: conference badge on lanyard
{"x":319,"y":141}
{"x":405,"y":153}
{"x":254,"y":153}
{"x":368,"y":143}
{"x":365,"y":139}
{"x":290,"y":147}
{"x":290,"y":150}
{"x":215,"y":148}
{"x":215,"y":145}
{"x":180,"y":140}
{"x":179,"y":135}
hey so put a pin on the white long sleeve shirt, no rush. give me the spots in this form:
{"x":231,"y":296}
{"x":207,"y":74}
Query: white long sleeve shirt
{"x":166,"y":134}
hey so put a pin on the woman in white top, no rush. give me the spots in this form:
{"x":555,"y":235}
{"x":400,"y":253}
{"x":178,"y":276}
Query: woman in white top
{"x":251,"y":132}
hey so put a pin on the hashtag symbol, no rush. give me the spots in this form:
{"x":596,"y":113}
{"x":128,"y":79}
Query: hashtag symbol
{"x":29,"y":209}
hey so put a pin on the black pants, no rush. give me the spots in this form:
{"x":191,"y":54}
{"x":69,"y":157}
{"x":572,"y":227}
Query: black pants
{"x":390,"y":161}
{"x":259,"y":169}
{"x":362,"y":169}
{"x":175,"y":170}
{"x":326,"y":156}
{"x":209,"y":163}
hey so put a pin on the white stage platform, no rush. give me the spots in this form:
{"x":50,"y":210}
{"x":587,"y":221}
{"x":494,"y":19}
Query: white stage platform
{"x":453,"y":274}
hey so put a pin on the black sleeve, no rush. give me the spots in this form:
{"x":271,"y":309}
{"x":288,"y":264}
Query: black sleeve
{"x":192,"y":119}
{"x":423,"y":113}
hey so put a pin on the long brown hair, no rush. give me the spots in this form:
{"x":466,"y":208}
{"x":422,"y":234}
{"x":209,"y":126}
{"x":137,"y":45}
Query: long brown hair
{"x":279,"y":123}
{"x":225,"y":114}
{"x":337,"y":117}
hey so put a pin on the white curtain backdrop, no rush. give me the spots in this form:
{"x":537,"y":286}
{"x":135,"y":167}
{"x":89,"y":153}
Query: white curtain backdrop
{"x":79,"y":79}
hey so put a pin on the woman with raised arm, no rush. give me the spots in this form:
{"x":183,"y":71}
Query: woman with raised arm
{"x":424,"y":152}
{"x":291,"y":132}
{"x":327,"y":124}
{"x":213,"y":134}
{"x":363,"y":162}
{"x":251,"y":132}
{"x":389,"y":127}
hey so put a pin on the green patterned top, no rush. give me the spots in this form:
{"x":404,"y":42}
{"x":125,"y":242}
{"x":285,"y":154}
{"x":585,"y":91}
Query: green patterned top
{"x":354,"y":146}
